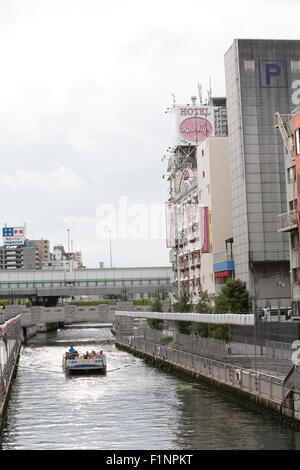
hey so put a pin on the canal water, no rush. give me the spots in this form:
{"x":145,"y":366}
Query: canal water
{"x":133,"y":407}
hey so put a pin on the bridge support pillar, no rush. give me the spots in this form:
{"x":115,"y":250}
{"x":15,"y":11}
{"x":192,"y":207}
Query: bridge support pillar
{"x":44,"y":301}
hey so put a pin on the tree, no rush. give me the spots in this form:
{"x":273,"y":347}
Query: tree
{"x":156,"y":305}
{"x":183,"y":303}
{"x":155,"y":323}
{"x":233,"y":297}
{"x":204,"y":304}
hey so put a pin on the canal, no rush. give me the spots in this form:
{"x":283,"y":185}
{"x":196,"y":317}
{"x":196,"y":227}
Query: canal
{"x":134,"y":406}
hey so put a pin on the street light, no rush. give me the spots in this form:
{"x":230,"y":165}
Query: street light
{"x":68,"y":230}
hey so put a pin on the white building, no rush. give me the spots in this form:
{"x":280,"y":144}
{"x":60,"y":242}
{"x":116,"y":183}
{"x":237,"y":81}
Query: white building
{"x":199,"y":207}
{"x":215,"y":210}
{"x":61,"y":260}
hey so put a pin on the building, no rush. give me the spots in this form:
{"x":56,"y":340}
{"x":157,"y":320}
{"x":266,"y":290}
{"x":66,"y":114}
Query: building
{"x":195,"y":168}
{"x":62,"y":260}
{"x":19,"y":257}
{"x":288,"y":222}
{"x":262,"y":78}
{"x":215,"y":209}
{"x":43,"y":247}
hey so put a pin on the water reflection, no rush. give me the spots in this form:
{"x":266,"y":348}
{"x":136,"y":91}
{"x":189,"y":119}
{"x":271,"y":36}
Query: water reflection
{"x":133,"y":406}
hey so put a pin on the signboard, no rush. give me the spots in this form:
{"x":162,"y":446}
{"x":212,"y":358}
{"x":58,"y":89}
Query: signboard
{"x":13,"y":236}
{"x":193,"y":124}
{"x":170,"y":224}
{"x":205,"y":239}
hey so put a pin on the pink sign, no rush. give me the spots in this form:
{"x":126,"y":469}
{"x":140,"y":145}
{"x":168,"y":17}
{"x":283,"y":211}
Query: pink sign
{"x":195,"y":129}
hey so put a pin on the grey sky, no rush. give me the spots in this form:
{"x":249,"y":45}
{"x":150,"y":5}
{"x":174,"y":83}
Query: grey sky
{"x":84,"y":86}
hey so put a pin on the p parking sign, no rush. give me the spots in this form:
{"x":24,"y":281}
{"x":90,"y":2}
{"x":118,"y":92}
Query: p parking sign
{"x":273,"y":73}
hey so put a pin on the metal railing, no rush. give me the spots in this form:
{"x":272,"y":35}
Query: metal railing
{"x":262,"y":384}
{"x":287,"y":221}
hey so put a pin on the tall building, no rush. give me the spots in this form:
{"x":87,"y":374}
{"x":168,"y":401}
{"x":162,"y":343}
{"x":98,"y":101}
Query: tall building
{"x":261,"y":79}
{"x":43,"y":247}
{"x":193,"y":189}
{"x":19,"y":257}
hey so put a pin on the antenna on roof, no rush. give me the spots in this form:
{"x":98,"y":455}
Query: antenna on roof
{"x":200,"y":93}
{"x":209,"y":92}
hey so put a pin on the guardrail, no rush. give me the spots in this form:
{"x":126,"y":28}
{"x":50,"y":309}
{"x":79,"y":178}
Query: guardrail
{"x":267,"y":386}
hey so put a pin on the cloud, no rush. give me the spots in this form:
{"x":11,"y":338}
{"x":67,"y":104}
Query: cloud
{"x":63,"y":179}
{"x":83,"y":89}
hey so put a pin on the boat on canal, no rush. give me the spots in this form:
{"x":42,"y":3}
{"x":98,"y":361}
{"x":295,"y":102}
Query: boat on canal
{"x":87,"y":362}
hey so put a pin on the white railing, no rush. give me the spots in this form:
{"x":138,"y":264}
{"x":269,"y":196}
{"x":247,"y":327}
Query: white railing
{"x":221,"y":318}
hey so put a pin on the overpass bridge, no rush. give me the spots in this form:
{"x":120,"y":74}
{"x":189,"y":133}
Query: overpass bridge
{"x":46,"y":286}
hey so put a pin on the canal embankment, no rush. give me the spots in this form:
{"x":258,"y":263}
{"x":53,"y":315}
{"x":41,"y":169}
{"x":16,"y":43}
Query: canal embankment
{"x":11,"y":337}
{"x":248,"y":373}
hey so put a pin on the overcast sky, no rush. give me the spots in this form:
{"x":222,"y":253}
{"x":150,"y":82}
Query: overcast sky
{"x":84,"y":86}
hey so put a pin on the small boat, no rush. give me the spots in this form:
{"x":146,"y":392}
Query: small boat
{"x":84,"y":362}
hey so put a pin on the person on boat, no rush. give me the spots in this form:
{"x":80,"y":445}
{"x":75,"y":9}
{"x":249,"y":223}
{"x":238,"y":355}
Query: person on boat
{"x":71,"y":351}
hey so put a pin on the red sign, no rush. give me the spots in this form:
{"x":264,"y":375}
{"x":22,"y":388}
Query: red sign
{"x":195,"y":129}
{"x":222,"y":274}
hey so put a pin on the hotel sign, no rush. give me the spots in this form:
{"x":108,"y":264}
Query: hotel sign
{"x":193,"y":124}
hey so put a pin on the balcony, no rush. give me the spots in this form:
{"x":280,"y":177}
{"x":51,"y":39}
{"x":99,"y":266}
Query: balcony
{"x":287,"y":221}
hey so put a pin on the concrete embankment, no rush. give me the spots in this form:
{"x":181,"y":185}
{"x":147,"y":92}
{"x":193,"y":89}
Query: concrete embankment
{"x":7,"y":390}
{"x":283,"y":406}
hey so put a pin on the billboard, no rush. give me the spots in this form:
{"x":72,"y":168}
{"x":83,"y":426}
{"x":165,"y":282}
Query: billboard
{"x":13,"y":236}
{"x":170,"y":209}
{"x":192,"y":124}
{"x":205,"y":238}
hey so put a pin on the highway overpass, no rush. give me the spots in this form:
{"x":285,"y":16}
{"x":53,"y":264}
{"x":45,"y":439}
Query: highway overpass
{"x":45,"y":287}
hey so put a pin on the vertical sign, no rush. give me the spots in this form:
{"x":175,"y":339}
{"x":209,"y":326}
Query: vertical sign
{"x":205,"y":239}
{"x":170,"y":224}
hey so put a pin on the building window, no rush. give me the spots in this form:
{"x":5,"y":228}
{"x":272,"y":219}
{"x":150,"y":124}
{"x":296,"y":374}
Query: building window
{"x":295,"y":64}
{"x":291,"y":173}
{"x":297,"y":141}
{"x":249,"y":64}
{"x":294,"y":240}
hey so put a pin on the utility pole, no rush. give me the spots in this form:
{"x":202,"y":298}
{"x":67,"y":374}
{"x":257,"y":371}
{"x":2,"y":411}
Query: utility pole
{"x":110,"y":255}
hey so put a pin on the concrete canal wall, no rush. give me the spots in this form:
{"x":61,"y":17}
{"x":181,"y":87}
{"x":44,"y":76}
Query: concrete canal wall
{"x":260,"y":375}
{"x":268,"y":395}
{"x":10,"y":345}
